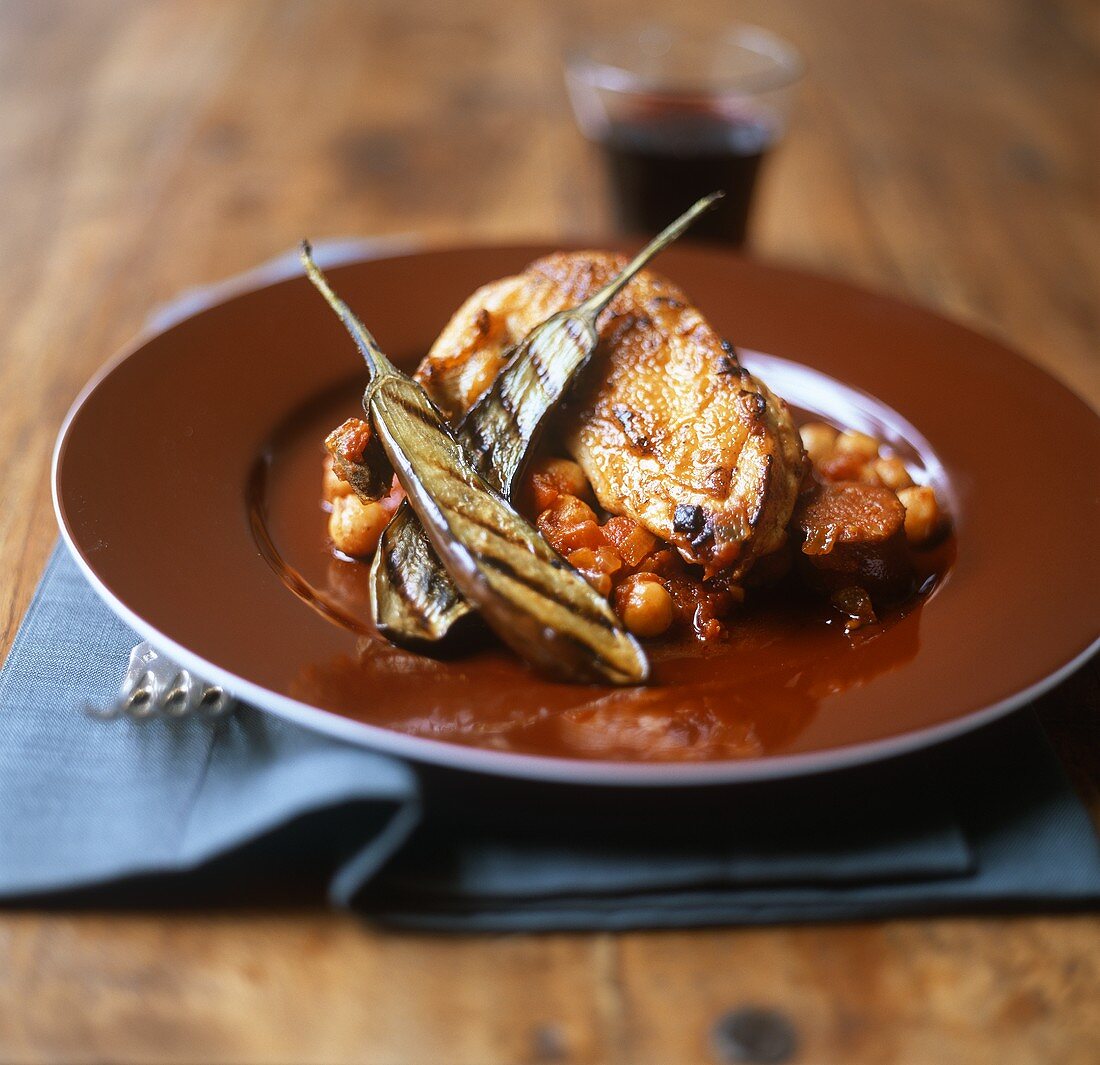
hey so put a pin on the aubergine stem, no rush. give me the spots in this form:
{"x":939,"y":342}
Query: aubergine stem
{"x":596,"y":303}
{"x":413,"y":600}
{"x":529,"y":596}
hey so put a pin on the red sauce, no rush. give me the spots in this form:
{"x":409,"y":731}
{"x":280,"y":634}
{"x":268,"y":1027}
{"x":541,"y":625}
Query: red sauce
{"x":744,"y":696}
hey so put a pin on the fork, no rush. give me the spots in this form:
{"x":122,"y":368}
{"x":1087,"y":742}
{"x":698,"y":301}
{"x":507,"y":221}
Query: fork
{"x":156,"y":687}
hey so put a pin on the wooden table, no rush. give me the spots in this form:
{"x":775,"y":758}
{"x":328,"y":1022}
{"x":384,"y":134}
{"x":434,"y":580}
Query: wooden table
{"x":943,"y":150}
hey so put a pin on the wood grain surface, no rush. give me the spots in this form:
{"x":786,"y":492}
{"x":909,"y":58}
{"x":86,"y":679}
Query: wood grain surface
{"x":943,"y":150}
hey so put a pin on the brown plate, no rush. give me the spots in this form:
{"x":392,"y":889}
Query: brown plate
{"x":187,"y":485}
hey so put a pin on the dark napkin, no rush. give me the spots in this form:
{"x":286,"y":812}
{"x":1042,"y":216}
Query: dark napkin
{"x":152,"y":813}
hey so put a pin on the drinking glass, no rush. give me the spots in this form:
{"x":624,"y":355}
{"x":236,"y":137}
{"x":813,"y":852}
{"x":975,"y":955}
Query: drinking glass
{"x":679,"y":114}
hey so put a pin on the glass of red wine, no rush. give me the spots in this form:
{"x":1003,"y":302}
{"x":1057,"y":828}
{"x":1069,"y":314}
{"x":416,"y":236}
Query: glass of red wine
{"x":679,"y":114}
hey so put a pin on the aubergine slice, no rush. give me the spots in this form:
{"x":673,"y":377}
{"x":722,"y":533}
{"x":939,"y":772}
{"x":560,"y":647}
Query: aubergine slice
{"x":414,"y":600}
{"x":530,"y":597}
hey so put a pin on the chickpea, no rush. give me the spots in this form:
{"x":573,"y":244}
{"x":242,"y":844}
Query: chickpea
{"x":551,"y":478}
{"x":892,"y":474}
{"x":644,"y":605}
{"x":819,"y":440}
{"x":355,"y":526}
{"x":922,"y":513}
{"x":333,"y":486}
{"x":566,"y":474}
{"x":852,"y":442}
{"x":843,"y":466}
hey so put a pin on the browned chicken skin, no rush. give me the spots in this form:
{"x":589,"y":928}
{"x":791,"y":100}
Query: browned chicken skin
{"x":668,"y":427}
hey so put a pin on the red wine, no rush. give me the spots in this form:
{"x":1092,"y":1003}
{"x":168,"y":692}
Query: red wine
{"x":661,"y":164}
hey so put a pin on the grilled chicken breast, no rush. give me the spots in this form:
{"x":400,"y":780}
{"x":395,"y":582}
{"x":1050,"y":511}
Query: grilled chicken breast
{"x":667,"y":425}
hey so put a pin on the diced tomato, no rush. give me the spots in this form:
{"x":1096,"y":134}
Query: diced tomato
{"x":570,"y":524}
{"x":597,"y":565}
{"x":630,"y":539}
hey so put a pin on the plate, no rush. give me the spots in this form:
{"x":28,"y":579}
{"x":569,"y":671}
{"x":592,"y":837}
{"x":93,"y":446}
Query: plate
{"x":186,"y":483}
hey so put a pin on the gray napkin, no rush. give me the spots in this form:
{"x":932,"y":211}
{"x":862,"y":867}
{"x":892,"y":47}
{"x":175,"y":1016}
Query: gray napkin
{"x":250,"y":807}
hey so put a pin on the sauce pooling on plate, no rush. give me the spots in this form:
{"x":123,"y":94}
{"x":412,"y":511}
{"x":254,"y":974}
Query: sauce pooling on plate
{"x":748,"y":695}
